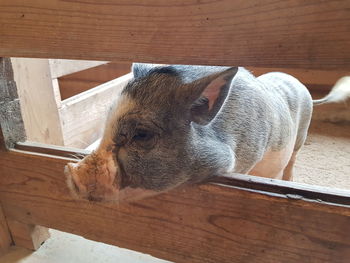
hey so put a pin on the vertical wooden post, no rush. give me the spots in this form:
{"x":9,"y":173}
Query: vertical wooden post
{"x":10,"y":115}
{"x":28,"y":236}
{"x":11,"y":131}
{"x":5,"y":237}
{"x":62,"y":67}
{"x":38,"y":100}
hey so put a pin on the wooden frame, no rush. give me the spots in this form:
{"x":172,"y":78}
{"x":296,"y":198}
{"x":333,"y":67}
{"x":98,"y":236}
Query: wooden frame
{"x":80,"y":81}
{"x":92,"y":106}
{"x":248,"y":33}
{"x":239,"y":219}
{"x":49,"y":119}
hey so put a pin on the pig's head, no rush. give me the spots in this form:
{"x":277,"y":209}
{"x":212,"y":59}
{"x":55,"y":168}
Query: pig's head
{"x":158,"y":135}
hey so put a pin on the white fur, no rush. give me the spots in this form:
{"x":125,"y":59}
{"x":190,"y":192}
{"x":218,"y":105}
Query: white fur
{"x":340,"y":92}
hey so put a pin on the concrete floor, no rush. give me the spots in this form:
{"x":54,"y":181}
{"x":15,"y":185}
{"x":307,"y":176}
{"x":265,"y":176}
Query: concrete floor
{"x":68,"y":248}
{"x":325,"y":158}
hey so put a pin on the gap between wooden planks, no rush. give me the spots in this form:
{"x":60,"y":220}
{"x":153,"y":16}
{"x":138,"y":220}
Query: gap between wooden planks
{"x":207,"y":223}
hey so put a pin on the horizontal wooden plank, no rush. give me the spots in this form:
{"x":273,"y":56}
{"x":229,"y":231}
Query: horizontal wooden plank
{"x":297,"y":34}
{"x":78,"y":82}
{"x":292,"y":190}
{"x":37,"y":100}
{"x":62,"y":67}
{"x":207,"y":223}
{"x":271,"y":186}
{"x":51,"y":149}
{"x":313,"y":79}
{"x":83,"y":116}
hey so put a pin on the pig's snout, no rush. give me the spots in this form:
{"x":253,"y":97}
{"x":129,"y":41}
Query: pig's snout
{"x":94,"y":178}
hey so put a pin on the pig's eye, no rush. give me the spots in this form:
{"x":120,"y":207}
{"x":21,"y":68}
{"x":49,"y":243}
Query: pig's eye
{"x":143,"y":135}
{"x":145,"y":139}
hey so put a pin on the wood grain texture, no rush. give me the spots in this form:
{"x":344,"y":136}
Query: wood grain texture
{"x":38,"y":100}
{"x":5,"y":237}
{"x":62,"y":67}
{"x":83,"y":116}
{"x":292,"y":33}
{"x":312,"y":79}
{"x":208,"y":223}
{"x":78,"y":82}
{"x":56,"y":92}
{"x":12,"y":126}
{"x":27,"y":235}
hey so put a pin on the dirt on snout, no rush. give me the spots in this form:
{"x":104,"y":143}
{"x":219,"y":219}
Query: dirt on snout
{"x":325,"y":158}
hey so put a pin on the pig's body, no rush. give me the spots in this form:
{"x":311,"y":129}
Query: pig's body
{"x":177,"y":124}
{"x":262,"y":117}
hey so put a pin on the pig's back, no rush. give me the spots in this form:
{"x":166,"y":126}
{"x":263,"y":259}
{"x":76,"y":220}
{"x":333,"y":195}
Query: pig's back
{"x":262,"y":114}
{"x":291,"y":92}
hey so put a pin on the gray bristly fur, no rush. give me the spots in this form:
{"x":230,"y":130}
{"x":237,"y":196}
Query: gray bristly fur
{"x":192,"y":142}
{"x":260,"y":114}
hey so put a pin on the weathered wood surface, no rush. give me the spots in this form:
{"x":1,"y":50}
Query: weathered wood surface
{"x":297,"y":34}
{"x":12,"y":126}
{"x":84,"y":115}
{"x":38,"y":100}
{"x":208,"y":223}
{"x":27,"y":235}
{"x":5,"y":237}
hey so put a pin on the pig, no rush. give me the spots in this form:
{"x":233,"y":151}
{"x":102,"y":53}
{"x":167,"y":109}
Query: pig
{"x":174,"y":125}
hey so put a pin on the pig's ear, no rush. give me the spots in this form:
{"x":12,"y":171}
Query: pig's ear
{"x":208,"y":95}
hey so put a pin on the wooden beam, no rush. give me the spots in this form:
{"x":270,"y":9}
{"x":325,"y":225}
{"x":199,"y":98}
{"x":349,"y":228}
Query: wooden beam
{"x":84,"y":114}
{"x":78,"y":82}
{"x":52,"y":149}
{"x":249,"y":33}
{"x":207,"y":223}
{"x":62,"y":67}
{"x":313,"y":79}
{"x":56,"y":92}
{"x":5,"y":237}
{"x":27,"y":235}
{"x":12,"y":126}
{"x":38,"y":100}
